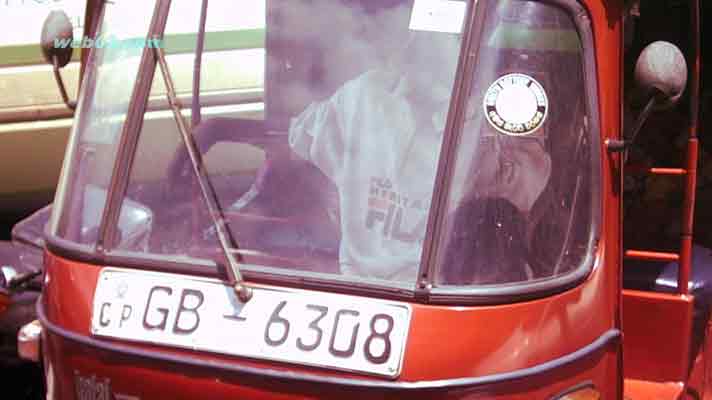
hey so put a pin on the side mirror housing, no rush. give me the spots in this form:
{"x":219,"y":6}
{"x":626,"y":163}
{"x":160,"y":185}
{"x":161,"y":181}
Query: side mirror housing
{"x":661,"y":72}
{"x":56,"y":44}
{"x":661,"y":77}
{"x":57,"y":37}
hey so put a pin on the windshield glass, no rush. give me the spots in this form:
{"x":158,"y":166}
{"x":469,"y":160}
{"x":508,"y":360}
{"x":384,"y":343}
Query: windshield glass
{"x":321,"y":125}
{"x":520,"y":206}
{"x":101,"y":112}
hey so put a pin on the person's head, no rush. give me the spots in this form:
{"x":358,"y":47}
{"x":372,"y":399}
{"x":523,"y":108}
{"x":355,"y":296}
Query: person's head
{"x":429,"y":61}
{"x":513,"y":168}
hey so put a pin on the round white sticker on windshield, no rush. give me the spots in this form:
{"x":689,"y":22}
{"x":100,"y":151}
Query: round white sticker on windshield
{"x":516,"y":104}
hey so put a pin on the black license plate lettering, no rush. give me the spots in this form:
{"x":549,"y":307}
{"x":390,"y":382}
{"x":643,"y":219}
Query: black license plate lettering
{"x":314,"y":325}
{"x":187,"y":308}
{"x":187,"y":315}
{"x":378,"y":334}
{"x":275,"y":321}
{"x":348,"y":352}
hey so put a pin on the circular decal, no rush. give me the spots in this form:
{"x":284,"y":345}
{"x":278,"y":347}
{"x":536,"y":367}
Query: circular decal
{"x":516,"y":104}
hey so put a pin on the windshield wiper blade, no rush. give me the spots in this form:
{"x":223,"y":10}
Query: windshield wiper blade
{"x":227,"y":242}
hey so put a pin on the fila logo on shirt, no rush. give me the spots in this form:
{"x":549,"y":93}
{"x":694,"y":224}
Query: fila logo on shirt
{"x":391,"y":212}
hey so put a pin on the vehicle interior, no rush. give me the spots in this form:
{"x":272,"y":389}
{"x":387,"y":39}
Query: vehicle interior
{"x":281,"y":209}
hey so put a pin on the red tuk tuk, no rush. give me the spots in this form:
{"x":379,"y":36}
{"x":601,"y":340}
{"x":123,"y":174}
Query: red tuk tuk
{"x":423,"y":201}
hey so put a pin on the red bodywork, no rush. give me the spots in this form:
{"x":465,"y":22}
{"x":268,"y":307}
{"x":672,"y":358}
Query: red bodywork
{"x":444,"y":342}
{"x":4,"y":302}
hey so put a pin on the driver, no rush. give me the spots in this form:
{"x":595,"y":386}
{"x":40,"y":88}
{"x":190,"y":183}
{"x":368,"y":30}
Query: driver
{"x":378,"y":138}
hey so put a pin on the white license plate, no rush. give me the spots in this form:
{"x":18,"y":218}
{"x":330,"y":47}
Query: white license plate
{"x":311,"y":328}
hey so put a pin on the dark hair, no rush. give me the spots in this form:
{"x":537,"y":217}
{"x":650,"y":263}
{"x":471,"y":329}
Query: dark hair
{"x":486,"y":245}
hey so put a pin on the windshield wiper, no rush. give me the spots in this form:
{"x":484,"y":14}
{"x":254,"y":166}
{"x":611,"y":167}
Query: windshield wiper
{"x":227,"y":242}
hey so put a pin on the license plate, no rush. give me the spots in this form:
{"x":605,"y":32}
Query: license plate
{"x":296,"y":326}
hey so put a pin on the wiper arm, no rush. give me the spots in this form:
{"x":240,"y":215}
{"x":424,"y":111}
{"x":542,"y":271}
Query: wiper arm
{"x":244,"y":293}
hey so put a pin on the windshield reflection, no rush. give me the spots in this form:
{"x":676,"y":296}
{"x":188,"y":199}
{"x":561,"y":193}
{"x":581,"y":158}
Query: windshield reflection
{"x":331,"y":175}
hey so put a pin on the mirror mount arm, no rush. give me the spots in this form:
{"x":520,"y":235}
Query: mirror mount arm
{"x":72,"y":105}
{"x":56,"y":31}
{"x":621,"y":145}
{"x":661,"y":73}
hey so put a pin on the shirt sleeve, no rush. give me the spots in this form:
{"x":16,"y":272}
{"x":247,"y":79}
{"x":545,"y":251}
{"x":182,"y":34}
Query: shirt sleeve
{"x":320,"y":133}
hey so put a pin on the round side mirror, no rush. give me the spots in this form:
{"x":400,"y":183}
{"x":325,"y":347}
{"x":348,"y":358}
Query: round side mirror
{"x":661,"y":71}
{"x":57,"y":38}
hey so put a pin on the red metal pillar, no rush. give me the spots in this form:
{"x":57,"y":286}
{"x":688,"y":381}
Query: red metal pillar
{"x":688,"y":209}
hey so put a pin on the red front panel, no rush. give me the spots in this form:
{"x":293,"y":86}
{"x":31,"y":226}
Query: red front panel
{"x":147,"y":380}
{"x":4,"y":302}
{"x":443,"y":343}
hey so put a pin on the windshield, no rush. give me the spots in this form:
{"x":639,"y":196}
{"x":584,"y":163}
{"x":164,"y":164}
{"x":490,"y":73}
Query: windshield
{"x":521,"y":204}
{"x":321,"y":126}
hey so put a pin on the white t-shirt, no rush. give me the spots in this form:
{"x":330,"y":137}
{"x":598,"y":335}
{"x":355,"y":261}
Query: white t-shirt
{"x":382,"y":155}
